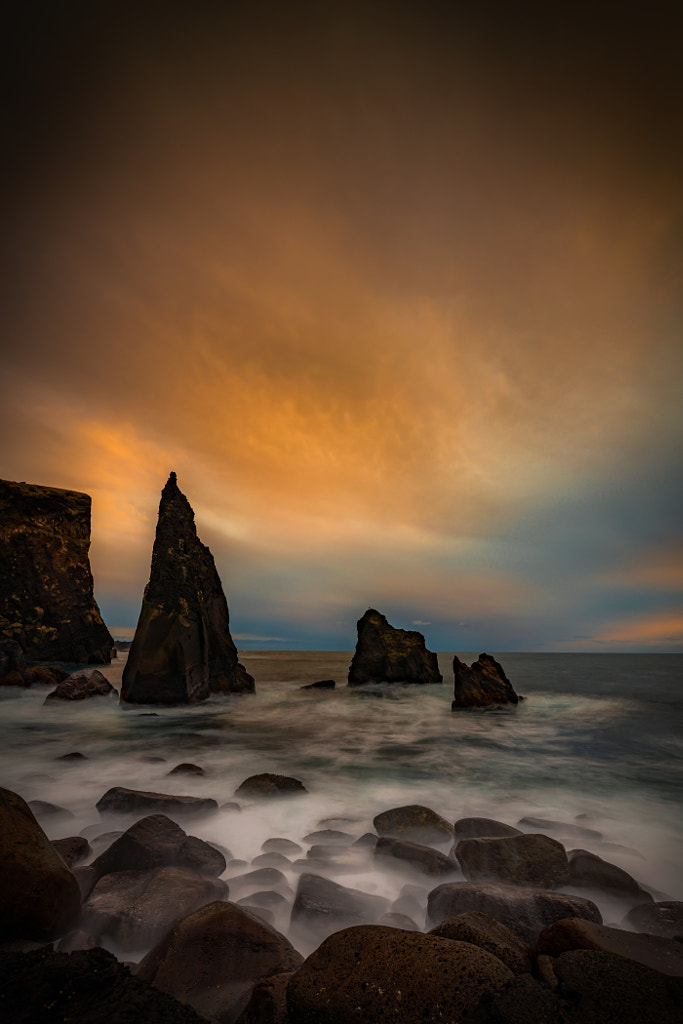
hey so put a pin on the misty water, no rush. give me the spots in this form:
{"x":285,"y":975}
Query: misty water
{"x":598,"y":743}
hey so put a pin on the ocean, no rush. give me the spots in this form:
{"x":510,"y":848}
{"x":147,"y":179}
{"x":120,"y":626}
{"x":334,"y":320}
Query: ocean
{"x":597,"y":743}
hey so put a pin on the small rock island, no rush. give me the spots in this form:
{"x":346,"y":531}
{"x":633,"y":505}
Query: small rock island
{"x":387,"y":655}
{"x":482,"y":683}
{"x":182,"y":651}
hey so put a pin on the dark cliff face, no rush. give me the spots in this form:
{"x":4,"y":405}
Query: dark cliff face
{"x":182,"y":650}
{"x":46,"y":586}
{"x":481,"y":684}
{"x":387,"y":655}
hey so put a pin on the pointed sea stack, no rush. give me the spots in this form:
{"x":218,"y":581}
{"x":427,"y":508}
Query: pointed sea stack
{"x":481,"y":684}
{"x":182,"y":650}
{"x":387,"y":655}
{"x":47,"y":605}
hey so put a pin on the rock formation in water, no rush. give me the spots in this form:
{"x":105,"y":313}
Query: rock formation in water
{"x":182,"y":650}
{"x":483,"y":683}
{"x":47,"y":605}
{"x":387,"y":655}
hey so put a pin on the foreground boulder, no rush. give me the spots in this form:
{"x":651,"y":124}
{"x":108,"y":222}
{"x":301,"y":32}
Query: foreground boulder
{"x":154,"y":842}
{"x":415,"y":823}
{"x":389,"y":976}
{"x":665,"y":955}
{"x":119,"y":800}
{"x":81,"y":686}
{"x":182,"y":650}
{"x":322,"y":906}
{"x":487,"y":933}
{"x":213,"y":958}
{"x":481,"y":684}
{"x":387,"y":655}
{"x":267,"y":785}
{"x":519,"y":860}
{"x":39,"y":896}
{"x":47,"y":604}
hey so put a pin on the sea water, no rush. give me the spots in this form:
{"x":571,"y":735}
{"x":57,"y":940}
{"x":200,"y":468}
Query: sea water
{"x":597,"y":742}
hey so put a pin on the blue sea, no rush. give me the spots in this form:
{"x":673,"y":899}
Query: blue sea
{"x":597,"y":742}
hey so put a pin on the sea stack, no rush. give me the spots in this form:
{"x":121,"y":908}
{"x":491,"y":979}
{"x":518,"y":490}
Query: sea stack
{"x":387,"y":655}
{"x":182,"y":651}
{"x":47,"y":605}
{"x":481,"y":684}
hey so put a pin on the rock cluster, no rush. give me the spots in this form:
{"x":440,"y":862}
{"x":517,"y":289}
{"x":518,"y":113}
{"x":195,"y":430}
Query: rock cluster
{"x":387,"y":655}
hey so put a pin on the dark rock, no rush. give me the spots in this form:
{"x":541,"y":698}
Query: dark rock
{"x":280,"y":845}
{"x":422,"y":858}
{"x":39,"y":896}
{"x":265,"y":898}
{"x":488,"y":933}
{"x":322,"y":907}
{"x":74,"y":756}
{"x":154,"y":842}
{"x":271,"y":860}
{"x":12,"y":663}
{"x":82,"y":685}
{"x":230,"y":807}
{"x":337,"y":822}
{"x":41,"y":675}
{"x":664,"y":918}
{"x":517,"y":860}
{"x":329,"y":837}
{"x":136,"y":908}
{"x":563,"y":828}
{"x":267,"y":785}
{"x":414,"y":823}
{"x":367,"y":841}
{"x":47,"y":604}
{"x":86,"y":877}
{"x":483,"y":828}
{"x":182,"y":650}
{"x":390,"y":976}
{"x":119,"y":800}
{"x":72,"y":850}
{"x":387,"y":655}
{"x":525,"y":911}
{"x":402,"y":921}
{"x":665,"y":955}
{"x":268,"y":1001}
{"x":88,"y":987}
{"x":483,"y":683}
{"x":321,"y":684}
{"x":213,"y":958}
{"x":523,"y":1000}
{"x":78,"y":939}
{"x":44,"y":809}
{"x":268,"y":877}
{"x":186,"y":769}
{"x":605,"y":988}
{"x":586,"y":870}
{"x":412,"y":901}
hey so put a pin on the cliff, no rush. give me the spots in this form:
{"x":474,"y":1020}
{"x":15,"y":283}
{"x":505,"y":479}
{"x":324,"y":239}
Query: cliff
{"x":47,"y":604}
{"x":182,"y":650}
{"x":387,"y":655}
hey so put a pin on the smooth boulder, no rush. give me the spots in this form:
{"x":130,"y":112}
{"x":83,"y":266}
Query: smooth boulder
{"x":119,"y":800}
{"x":154,"y":842}
{"x":481,"y":684}
{"x":82,"y":686}
{"x":415,"y":823}
{"x":664,"y":955}
{"x":322,"y":906}
{"x":588,"y":871}
{"x":385,"y":654}
{"x":266,"y":785}
{"x":487,"y":933}
{"x":533,"y":860}
{"x":426,"y":860}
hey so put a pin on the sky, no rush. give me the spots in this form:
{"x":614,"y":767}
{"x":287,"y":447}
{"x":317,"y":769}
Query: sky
{"x":394,"y":288}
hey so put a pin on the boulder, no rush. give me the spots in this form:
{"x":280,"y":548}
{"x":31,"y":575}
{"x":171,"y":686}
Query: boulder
{"x":387,"y":655}
{"x":481,"y":684}
{"x":402,"y":921}
{"x":588,"y":871}
{"x":280,"y":845}
{"x":39,"y":896}
{"x":487,"y":933}
{"x":664,"y":918}
{"x":182,"y":650}
{"x":81,"y":686}
{"x":44,"y":809}
{"x":321,"y":684}
{"x":664,"y":955}
{"x":72,"y":850}
{"x":154,"y":842}
{"x":412,"y":902}
{"x":268,"y":1001}
{"x":415,"y":823}
{"x":566,"y":829}
{"x":271,"y":860}
{"x":422,"y":858}
{"x":119,"y":800}
{"x":267,"y":785}
{"x":523,"y":1000}
{"x":135,"y":909}
{"x":482,"y":828}
{"x":212,"y":959}
{"x":390,"y":976}
{"x":329,"y":837}
{"x":186,"y":768}
{"x":322,"y":906}
{"x":518,"y":860}
{"x":526,"y":912}
{"x":258,"y":878}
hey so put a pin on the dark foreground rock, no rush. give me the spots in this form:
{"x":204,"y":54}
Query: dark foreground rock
{"x":154,"y":842}
{"x":520,"y":860}
{"x":267,"y":785}
{"x":213,"y":958}
{"x":39,"y":896}
{"x":268,"y":1001}
{"x":81,"y":686}
{"x":664,"y":955}
{"x":72,"y":850}
{"x":487,"y":933}
{"x":389,"y":976}
{"x":182,"y":650}
{"x":45,"y":987}
{"x":119,"y":800}
{"x":481,"y":684}
{"x":387,"y":655}
{"x":415,"y":823}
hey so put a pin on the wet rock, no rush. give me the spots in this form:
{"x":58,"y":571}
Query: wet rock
{"x":271,"y":860}
{"x":322,"y":906}
{"x":280,"y":845}
{"x":518,"y":860}
{"x":186,"y":768}
{"x":266,"y":898}
{"x":402,"y":921}
{"x":483,"y":828}
{"x":387,"y":655}
{"x":39,"y":896}
{"x":481,"y":684}
{"x":586,"y":870}
{"x":136,"y":908}
{"x":268,"y":1001}
{"x":88,"y":987}
{"x":321,"y":684}
{"x":182,"y":650}
{"x":662,"y":918}
{"x":562,"y":828}
{"x":74,"y":756}
{"x":661,"y":954}
{"x":47,"y":605}
{"x":525,"y":911}
{"x":423,"y":858}
{"x":72,"y":850}
{"x":329,"y":837}
{"x":368,"y":841}
{"x":213,"y":958}
{"x":488,"y":933}
{"x":389,"y":976}
{"x":154,"y":842}
{"x":44,"y":809}
{"x":268,"y":877}
{"x":415,"y":823}
{"x":82,"y":686}
{"x":119,"y":800}
{"x":267,"y":785}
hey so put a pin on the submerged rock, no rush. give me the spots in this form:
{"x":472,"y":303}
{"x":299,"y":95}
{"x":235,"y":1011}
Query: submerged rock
{"x":47,"y":605}
{"x":182,"y":650}
{"x":119,"y":800}
{"x":482,"y":683}
{"x":483,"y":828}
{"x":422,"y":858}
{"x":267,"y":785}
{"x":387,"y":655}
